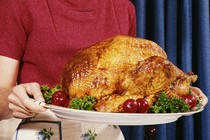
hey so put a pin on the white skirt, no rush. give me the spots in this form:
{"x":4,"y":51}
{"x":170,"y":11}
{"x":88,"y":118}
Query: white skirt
{"x":46,"y":126}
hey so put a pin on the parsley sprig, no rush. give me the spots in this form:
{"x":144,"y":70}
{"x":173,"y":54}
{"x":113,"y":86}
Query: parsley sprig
{"x":86,"y":103}
{"x":164,"y":104}
{"x":47,"y":92}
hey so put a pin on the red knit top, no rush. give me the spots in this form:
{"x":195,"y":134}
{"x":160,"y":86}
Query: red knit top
{"x":44,"y":34}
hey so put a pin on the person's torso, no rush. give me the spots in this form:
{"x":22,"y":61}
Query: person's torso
{"x":57,"y":29}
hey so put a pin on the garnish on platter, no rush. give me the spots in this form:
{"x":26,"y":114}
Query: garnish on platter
{"x":124,"y":75}
{"x":163,"y":104}
{"x":55,"y":96}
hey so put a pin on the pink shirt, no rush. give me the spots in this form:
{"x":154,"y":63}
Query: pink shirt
{"x":44,"y":34}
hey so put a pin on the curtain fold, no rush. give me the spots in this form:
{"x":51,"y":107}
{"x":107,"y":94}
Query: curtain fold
{"x":182,"y":29}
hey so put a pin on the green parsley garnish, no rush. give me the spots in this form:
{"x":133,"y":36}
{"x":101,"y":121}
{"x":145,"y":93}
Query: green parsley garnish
{"x":47,"y":92}
{"x":87,"y":103}
{"x":164,"y":104}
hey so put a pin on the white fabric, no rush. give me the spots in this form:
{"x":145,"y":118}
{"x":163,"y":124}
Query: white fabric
{"x":70,"y":130}
{"x":7,"y":128}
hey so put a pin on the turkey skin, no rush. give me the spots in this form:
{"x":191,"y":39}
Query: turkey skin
{"x":122,"y":68}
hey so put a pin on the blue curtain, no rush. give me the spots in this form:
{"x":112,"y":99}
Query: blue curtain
{"x":182,"y":29}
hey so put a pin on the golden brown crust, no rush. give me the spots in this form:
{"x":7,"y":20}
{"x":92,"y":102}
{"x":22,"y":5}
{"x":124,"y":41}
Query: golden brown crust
{"x":122,"y":67}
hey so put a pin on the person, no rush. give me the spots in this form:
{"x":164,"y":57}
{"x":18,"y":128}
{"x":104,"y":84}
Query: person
{"x":36,"y":40}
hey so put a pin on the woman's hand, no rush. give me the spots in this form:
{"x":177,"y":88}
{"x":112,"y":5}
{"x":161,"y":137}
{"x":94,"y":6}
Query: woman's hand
{"x":20,"y":103}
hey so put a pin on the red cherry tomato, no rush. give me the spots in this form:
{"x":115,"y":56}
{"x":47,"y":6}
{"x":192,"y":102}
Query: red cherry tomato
{"x":67,"y":103}
{"x":190,"y":100}
{"x":60,"y":98}
{"x":143,"y":105}
{"x":130,"y":106}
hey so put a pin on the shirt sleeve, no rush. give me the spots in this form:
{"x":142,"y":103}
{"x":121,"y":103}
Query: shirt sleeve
{"x":12,"y":33}
{"x":132,"y":20}
{"x":126,"y":16}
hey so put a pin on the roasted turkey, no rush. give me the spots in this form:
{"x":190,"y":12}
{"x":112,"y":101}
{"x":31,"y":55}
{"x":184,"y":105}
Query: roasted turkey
{"x":121,"y":68}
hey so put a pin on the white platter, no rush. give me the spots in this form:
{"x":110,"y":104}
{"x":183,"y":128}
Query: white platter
{"x":118,"y":118}
{"x":125,"y":118}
